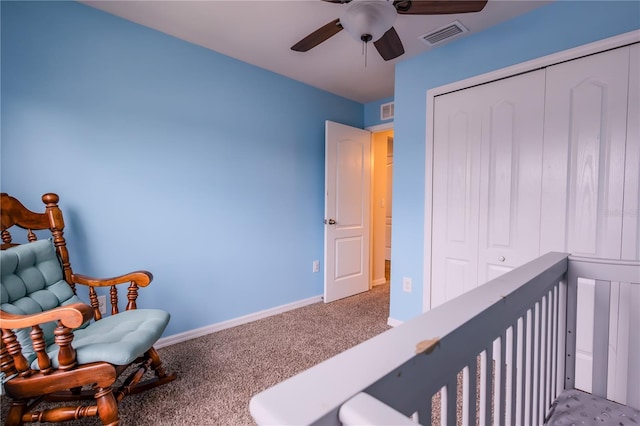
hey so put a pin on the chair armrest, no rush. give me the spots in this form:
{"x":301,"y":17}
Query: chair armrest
{"x":12,"y":358}
{"x":71,"y":316}
{"x":140,"y":278}
{"x":135,"y":279}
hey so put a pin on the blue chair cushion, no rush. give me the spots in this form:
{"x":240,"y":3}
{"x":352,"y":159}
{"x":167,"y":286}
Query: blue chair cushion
{"x":31,"y":281}
{"x":117,"y":339}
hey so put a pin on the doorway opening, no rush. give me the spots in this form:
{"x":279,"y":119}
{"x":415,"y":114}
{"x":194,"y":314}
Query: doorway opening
{"x":381,"y":206}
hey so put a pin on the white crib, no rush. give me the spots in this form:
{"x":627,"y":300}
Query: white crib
{"x":500,"y":354}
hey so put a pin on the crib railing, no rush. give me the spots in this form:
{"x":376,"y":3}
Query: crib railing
{"x":609,"y":291}
{"x":495,"y":355}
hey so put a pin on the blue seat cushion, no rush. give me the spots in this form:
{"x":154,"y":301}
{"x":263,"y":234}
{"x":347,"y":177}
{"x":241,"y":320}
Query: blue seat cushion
{"x":117,"y":339}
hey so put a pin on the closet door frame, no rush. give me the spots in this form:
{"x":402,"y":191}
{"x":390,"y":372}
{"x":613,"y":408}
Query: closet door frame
{"x":545,"y":61}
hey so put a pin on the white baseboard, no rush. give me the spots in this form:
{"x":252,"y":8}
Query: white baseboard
{"x":393,"y":322}
{"x":379,"y":281}
{"x":203,"y":331}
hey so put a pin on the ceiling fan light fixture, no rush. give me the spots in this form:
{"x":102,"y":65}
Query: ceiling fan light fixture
{"x":368,"y":20}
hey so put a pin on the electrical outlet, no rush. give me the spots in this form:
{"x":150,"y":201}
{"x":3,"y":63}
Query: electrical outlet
{"x":316,"y":266}
{"x":406,"y":284}
{"x":102,"y":304}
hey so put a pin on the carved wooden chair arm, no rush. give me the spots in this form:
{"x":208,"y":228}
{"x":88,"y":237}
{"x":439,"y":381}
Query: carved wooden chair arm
{"x":12,"y":359}
{"x":72,"y":316}
{"x":140,"y":278}
{"x":135,"y":279}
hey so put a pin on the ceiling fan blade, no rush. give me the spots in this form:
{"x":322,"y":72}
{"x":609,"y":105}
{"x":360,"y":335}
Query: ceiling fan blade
{"x":318,"y":36}
{"x":389,"y":45}
{"x":438,"y":7}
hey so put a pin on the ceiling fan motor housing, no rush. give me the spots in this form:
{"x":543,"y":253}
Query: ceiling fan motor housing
{"x":368,"y":20}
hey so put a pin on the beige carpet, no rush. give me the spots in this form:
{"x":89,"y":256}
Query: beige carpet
{"x":219,"y":373}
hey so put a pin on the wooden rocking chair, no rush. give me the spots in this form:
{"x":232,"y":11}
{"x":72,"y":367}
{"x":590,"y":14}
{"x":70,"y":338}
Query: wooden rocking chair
{"x":53,"y":346}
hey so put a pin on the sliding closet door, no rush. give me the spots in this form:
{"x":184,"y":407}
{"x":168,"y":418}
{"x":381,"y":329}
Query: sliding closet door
{"x":456,"y":193}
{"x":583,"y":190}
{"x":625,"y":384}
{"x":511,"y":175}
{"x":584,"y":150}
{"x":486,"y":182}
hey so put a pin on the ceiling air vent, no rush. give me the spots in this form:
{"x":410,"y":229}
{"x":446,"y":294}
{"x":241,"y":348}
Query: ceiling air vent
{"x":386,"y":111}
{"x":444,"y":33}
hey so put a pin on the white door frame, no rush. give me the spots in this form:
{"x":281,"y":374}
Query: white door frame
{"x":380,"y":127}
{"x":545,"y":61}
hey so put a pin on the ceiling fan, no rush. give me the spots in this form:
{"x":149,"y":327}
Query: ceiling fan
{"x":372,"y":20}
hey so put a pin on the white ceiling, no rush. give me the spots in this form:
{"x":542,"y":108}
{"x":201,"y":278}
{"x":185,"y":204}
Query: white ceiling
{"x":261,"y":33}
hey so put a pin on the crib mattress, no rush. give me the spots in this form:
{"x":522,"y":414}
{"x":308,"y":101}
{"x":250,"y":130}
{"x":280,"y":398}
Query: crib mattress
{"x":574,"y":407}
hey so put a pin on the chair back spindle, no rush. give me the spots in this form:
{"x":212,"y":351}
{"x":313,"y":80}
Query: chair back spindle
{"x":14,"y":350}
{"x":40,"y":347}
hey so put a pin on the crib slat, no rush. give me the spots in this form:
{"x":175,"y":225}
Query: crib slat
{"x":451,"y":408}
{"x":501,"y":390}
{"x":554,"y":346}
{"x":549,"y":363}
{"x":544,"y":360}
{"x":514,"y":372}
{"x":570,"y":339}
{"x":556,"y":330}
{"x":562,"y":362}
{"x":472,"y":383}
{"x":487,"y":381}
{"x":538,"y":384}
{"x":600,"y":338}
{"x":524,"y":374}
{"x":620,"y":381}
{"x":464,"y":405}
{"x":531,"y":373}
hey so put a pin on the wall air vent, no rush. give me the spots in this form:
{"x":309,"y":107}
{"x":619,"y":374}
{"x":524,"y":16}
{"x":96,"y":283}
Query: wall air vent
{"x":444,"y":33}
{"x":386,"y":111}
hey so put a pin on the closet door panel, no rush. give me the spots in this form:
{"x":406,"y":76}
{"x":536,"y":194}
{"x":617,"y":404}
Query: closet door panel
{"x":511,"y":175}
{"x":631,"y":205}
{"x":486,"y":182}
{"x":584,"y":173}
{"x":627,"y":380}
{"x":455,"y":197}
{"x":584,"y":148}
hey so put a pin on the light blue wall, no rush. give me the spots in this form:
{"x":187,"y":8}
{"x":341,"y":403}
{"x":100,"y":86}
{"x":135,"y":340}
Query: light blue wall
{"x":551,"y":28}
{"x":204,"y":170}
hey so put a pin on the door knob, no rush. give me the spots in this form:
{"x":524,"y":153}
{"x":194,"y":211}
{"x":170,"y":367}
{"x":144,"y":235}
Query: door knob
{"x":331,"y":222}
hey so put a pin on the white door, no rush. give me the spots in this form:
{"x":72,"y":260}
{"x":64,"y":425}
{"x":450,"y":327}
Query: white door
{"x":511,"y":175}
{"x":486,"y":182}
{"x":584,"y":151}
{"x":456,"y":192}
{"x":347,"y":199}
{"x":582,"y":204}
